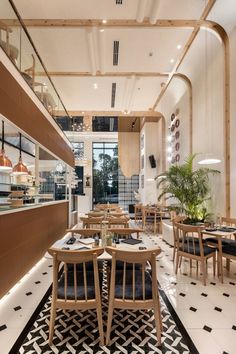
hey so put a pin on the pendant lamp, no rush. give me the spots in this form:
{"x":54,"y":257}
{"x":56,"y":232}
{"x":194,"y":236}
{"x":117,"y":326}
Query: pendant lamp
{"x":5,"y":163}
{"x":20,"y":168}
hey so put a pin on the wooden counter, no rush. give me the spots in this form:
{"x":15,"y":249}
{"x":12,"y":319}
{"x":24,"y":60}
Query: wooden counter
{"x":25,"y":235}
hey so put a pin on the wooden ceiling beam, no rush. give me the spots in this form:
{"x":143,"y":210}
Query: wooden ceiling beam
{"x":165,"y":23}
{"x":194,"y":33}
{"x":149,"y":113}
{"x":106,"y":74}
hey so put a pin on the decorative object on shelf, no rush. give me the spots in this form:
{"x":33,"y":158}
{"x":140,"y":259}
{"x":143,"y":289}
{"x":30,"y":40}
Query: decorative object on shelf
{"x":177,"y":146}
{"x":177,"y":158}
{"x":177,"y":122}
{"x":177,"y":134}
{"x":5,"y":163}
{"x":190,"y":188}
{"x":20,"y":168}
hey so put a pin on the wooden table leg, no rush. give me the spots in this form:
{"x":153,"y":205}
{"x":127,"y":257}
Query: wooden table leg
{"x":220,"y":260}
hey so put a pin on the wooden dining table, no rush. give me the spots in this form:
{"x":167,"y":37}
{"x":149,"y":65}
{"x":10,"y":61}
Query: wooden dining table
{"x":220,"y":235}
{"x":80,"y":244}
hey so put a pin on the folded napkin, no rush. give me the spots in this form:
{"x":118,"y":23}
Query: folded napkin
{"x":131,"y":241}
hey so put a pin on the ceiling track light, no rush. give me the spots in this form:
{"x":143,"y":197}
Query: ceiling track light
{"x":20,"y":168}
{"x":5,"y":163}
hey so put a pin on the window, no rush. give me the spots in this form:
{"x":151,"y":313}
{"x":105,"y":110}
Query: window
{"x":105,"y":173}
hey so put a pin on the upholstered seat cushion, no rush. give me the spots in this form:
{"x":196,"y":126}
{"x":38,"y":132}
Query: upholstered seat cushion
{"x":79,"y":266}
{"x":80,"y":286}
{"x":230,"y":248}
{"x":214,"y":240}
{"x":120,"y":265}
{"x":129,"y":285}
{"x":190,"y":248}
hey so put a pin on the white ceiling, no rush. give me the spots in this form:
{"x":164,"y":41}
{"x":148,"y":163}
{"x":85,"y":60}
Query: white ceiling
{"x":144,"y":50}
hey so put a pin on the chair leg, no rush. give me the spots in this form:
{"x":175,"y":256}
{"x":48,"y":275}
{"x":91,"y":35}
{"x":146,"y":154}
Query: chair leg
{"x":174,"y":251}
{"x":227,"y":264}
{"x":158,"y":322}
{"x":100,"y":324}
{"x":177,"y":263}
{"x":214,"y":264}
{"x":51,"y":324}
{"x":109,"y":322}
{"x":203,"y":263}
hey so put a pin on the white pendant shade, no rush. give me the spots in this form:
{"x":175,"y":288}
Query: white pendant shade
{"x":209,"y":159}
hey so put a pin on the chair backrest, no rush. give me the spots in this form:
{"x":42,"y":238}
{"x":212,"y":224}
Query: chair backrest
{"x":95,"y":214}
{"x":118,"y":222}
{"x":228,"y":221}
{"x":107,"y":206}
{"x":175,"y":221}
{"x":138,"y":283}
{"x":92,"y":222}
{"x":189,"y":239}
{"x":126,"y":232}
{"x":72,"y":278}
{"x":84,"y":233}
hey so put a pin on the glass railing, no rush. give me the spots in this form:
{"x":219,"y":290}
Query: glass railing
{"x":17,"y":44}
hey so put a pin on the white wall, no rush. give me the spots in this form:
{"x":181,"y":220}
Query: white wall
{"x":205,"y":69}
{"x":152,"y":146}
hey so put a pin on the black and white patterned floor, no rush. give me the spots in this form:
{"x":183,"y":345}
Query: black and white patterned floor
{"x":206,"y":312}
{"x":77,"y":332}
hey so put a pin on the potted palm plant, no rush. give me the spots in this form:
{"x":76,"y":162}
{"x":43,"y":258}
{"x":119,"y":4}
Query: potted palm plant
{"x":189,"y":188}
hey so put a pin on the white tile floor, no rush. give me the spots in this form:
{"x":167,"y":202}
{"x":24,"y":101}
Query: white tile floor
{"x":212,"y":306}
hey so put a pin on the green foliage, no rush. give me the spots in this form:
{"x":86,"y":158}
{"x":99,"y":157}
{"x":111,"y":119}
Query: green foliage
{"x":190,"y":188}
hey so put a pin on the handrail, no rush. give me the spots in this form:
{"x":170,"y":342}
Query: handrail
{"x":32,"y":85}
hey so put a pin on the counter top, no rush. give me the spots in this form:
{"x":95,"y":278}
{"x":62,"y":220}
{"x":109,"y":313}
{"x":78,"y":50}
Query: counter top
{"x":8,"y":210}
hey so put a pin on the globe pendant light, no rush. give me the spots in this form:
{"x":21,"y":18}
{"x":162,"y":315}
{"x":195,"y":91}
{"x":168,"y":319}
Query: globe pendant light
{"x":5,"y":163}
{"x":20,"y":168}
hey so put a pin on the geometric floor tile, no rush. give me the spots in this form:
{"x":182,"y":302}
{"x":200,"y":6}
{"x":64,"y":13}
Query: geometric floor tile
{"x":77,"y":332}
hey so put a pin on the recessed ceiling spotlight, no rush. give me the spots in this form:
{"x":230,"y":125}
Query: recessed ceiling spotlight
{"x":172,"y":61}
{"x":82,"y":112}
{"x":95,"y":85}
{"x":179,"y":46}
{"x":101,"y":30}
{"x":104,"y":21}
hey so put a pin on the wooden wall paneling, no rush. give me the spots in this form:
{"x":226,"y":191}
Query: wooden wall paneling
{"x":18,"y":107}
{"x":25,"y":236}
{"x":129,"y":153}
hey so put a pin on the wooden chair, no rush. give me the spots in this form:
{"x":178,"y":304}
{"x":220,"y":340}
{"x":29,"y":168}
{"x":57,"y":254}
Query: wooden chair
{"x":85,"y":233}
{"x":134,"y":288}
{"x":91,"y":222}
{"x":118,"y":223}
{"x":228,"y":243}
{"x":190,"y":245}
{"x":175,"y":221}
{"x":229,"y":246}
{"x":152,"y":216}
{"x":126,"y":232}
{"x":138,"y":212}
{"x":76,"y":290}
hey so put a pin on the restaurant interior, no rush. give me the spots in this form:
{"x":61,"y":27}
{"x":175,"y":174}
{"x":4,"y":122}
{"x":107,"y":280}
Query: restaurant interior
{"x":117,"y":176}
